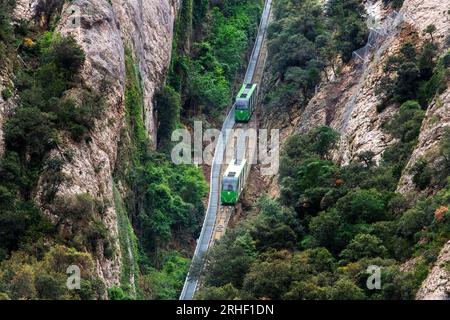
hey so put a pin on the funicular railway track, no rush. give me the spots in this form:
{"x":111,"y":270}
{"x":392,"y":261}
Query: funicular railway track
{"x":217,"y":216}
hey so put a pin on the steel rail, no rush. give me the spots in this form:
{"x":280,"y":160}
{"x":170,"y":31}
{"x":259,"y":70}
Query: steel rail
{"x":204,"y":241}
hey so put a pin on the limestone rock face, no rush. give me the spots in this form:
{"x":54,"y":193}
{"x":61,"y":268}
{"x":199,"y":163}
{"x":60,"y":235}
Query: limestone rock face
{"x":349,"y":103}
{"x":422,"y":13}
{"x":437,"y":285}
{"x":436,"y":120}
{"x":25,"y":9}
{"x":105,"y":29}
{"x":147,"y":27}
{"x":105,"y":32}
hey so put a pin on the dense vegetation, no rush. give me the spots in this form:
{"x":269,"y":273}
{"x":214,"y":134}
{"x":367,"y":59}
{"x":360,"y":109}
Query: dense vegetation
{"x":6,"y":38}
{"x":330,"y":223}
{"x":165,"y":201}
{"x":52,"y":108}
{"x":323,"y":34}
{"x":414,"y":74}
{"x":315,"y":242}
{"x":413,"y":79}
{"x":159,"y":205}
{"x":209,"y":52}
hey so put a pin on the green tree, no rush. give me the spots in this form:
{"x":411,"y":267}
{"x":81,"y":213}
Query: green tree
{"x":168,"y":104}
{"x":430,"y":29}
{"x":407,"y":82}
{"x":364,"y":246}
{"x":322,"y":140}
{"x":361,"y":205}
{"x":324,"y":228}
{"x":67,"y":55}
{"x":229,"y":262}
{"x":227,"y":292}
{"x":345,"y":289}
{"x":270,"y":276}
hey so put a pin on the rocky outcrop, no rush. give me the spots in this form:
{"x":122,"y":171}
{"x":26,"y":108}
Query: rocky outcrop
{"x":105,"y":30}
{"x":349,"y":103}
{"x":147,"y":27}
{"x":437,"y":285}
{"x":436,"y":120}
{"x":92,"y":163}
{"x":422,"y":13}
{"x":25,"y":9}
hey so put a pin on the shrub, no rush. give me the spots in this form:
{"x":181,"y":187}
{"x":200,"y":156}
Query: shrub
{"x":324,"y":228}
{"x":7,"y":93}
{"x":117,"y":294}
{"x":413,"y":220}
{"x":168,"y":104}
{"x":364,"y":246}
{"x":66,"y":55}
{"x":362,"y":205}
{"x":345,"y":289}
{"x":422,"y":174}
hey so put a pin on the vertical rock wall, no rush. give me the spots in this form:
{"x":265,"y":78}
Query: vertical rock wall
{"x":105,"y":29}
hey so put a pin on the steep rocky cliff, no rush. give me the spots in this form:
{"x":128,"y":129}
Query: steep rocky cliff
{"x":348,"y":103}
{"x":106,"y":30}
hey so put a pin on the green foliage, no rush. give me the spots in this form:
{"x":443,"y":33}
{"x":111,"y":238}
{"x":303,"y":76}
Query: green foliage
{"x":168,"y":106}
{"x":33,"y":131}
{"x":231,"y":260}
{"x":346,"y":219}
{"x":227,"y":292}
{"x":407,"y":82}
{"x":6,"y":30}
{"x":430,"y":29}
{"x":395,"y":4}
{"x":128,"y":247}
{"x":297,"y":24}
{"x":270,"y":276}
{"x":362,"y":206}
{"x":49,"y":105}
{"x":422,"y":174}
{"x":364,"y":246}
{"x":170,"y":197}
{"x":345,"y":289}
{"x":25,"y":277}
{"x":204,"y":76}
{"x":65,"y":53}
{"x":115,"y":293}
{"x":6,"y":93}
{"x":436,"y":171}
{"x":134,"y":106}
{"x":405,"y":126}
{"x":168,"y":281}
{"x":324,"y":228}
{"x":418,"y":75}
{"x":304,"y":174}
{"x":306,"y":41}
{"x":274,"y":227}
{"x":351,"y":30}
